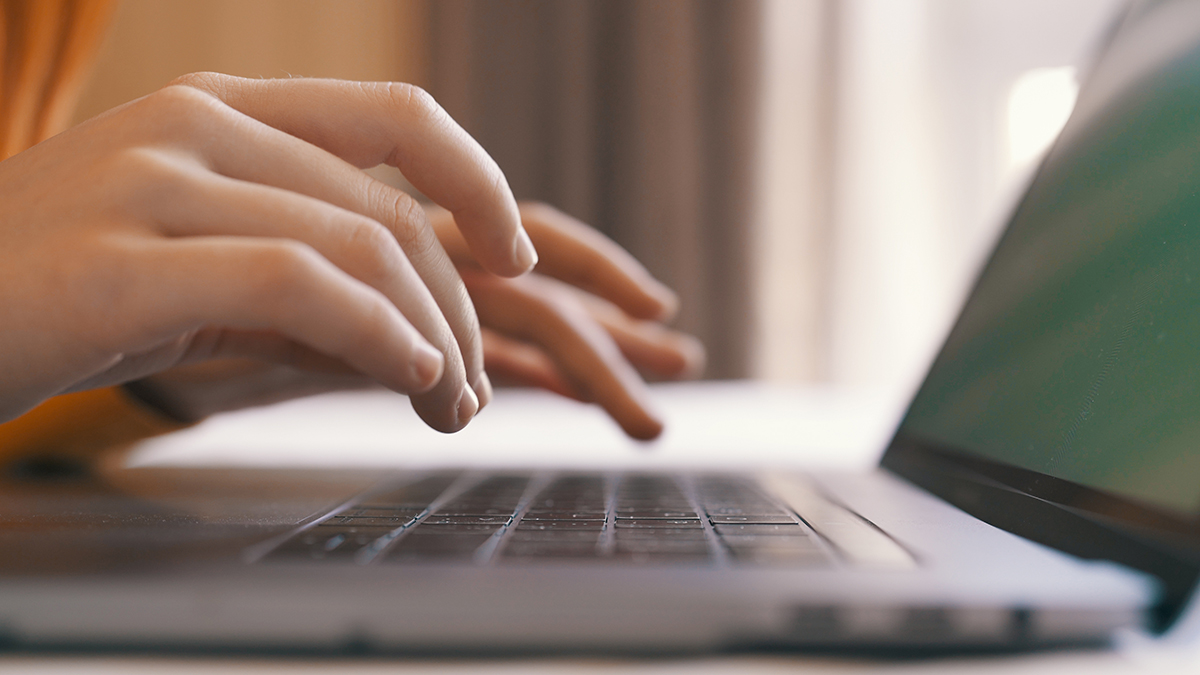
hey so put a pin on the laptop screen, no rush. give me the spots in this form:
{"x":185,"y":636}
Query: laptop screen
{"x":1078,"y":354}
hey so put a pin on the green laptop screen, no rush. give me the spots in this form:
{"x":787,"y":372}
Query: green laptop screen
{"x":1078,"y":354}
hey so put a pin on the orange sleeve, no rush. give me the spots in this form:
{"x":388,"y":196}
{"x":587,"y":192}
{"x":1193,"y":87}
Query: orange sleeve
{"x":81,"y":425}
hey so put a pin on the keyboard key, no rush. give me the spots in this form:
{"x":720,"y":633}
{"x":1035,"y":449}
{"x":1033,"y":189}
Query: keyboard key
{"x":469,"y":511}
{"x":398,"y":510}
{"x":737,"y":511}
{"x":791,"y":529}
{"x":457,"y":528}
{"x":365,"y":521}
{"x":574,"y":536}
{"x":531,"y":525}
{"x":371,"y":532}
{"x":656,"y":513}
{"x":750,"y":519}
{"x":660,"y":533}
{"x":440,"y":519}
{"x":674,"y":500}
{"x":672,"y":523}
{"x":534,"y":517}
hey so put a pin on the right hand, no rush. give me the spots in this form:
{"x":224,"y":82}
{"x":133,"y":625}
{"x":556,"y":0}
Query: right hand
{"x":586,"y":324}
{"x":223,"y":217}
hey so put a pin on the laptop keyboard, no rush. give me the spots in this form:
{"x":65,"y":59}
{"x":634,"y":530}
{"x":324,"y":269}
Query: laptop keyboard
{"x":593,"y":517}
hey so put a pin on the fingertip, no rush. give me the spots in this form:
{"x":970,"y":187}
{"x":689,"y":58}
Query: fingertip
{"x":524,"y":254}
{"x":668,"y":301}
{"x":642,"y":420}
{"x":648,"y":428}
{"x":483,"y":389}
{"x":467,"y":406}
{"x":646,"y":299}
{"x":695,"y":357}
{"x":520,"y":259}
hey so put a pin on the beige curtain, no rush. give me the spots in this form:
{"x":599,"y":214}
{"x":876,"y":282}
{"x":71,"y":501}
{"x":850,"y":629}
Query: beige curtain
{"x":637,"y":116}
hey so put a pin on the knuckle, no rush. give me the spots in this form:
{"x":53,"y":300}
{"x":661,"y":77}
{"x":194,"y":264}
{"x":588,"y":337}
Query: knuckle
{"x":407,"y":221}
{"x":373,"y":248}
{"x":155,"y":175}
{"x":369,"y":235}
{"x":203,"y":81}
{"x":180,"y":111}
{"x":413,"y":99}
{"x":177,"y":96}
{"x":138,"y":179}
{"x":285,"y":271}
{"x":290,"y":277}
{"x":416,"y":107}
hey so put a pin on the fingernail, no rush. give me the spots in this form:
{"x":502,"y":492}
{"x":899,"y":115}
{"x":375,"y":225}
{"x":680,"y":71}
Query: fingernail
{"x":427,"y":364}
{"x":523,"y":251}
{"x":483,"y":390}
{"x":694,"y":355}
{"x":668,"y":300}
{"x":647,"y":429}
{"x":468,"y":405}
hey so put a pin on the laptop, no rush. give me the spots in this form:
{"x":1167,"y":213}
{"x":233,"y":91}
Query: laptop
{"x":1043,"y":488}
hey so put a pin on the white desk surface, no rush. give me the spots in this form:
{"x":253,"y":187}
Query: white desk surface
{"x":709,"y":425}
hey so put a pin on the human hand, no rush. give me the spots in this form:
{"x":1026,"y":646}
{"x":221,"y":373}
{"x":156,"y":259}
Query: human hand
{"x":583,"y":324}
{"x":223,"y":217}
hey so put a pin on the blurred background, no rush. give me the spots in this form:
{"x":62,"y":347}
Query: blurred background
{"x":819,"y":179}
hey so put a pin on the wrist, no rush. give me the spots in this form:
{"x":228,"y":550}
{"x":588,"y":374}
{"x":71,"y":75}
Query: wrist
{"x":159,"y":400}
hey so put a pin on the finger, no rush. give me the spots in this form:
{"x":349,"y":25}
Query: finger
{"x":649,"y":345}
{"x":208,"y":204}
{"x":249,"y":151}
{"x":588,"y":260}
{"x":536,"y":310}
{"x":520,"y":364}
{"x":287,"y":288}
{"x":575,"y":253}
{"x":371,"y":123}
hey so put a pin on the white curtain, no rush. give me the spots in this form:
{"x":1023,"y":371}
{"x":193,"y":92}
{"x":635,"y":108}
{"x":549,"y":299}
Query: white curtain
{"x":921,"y":175}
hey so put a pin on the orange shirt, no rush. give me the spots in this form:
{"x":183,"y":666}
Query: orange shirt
{"x":80,"y":426}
